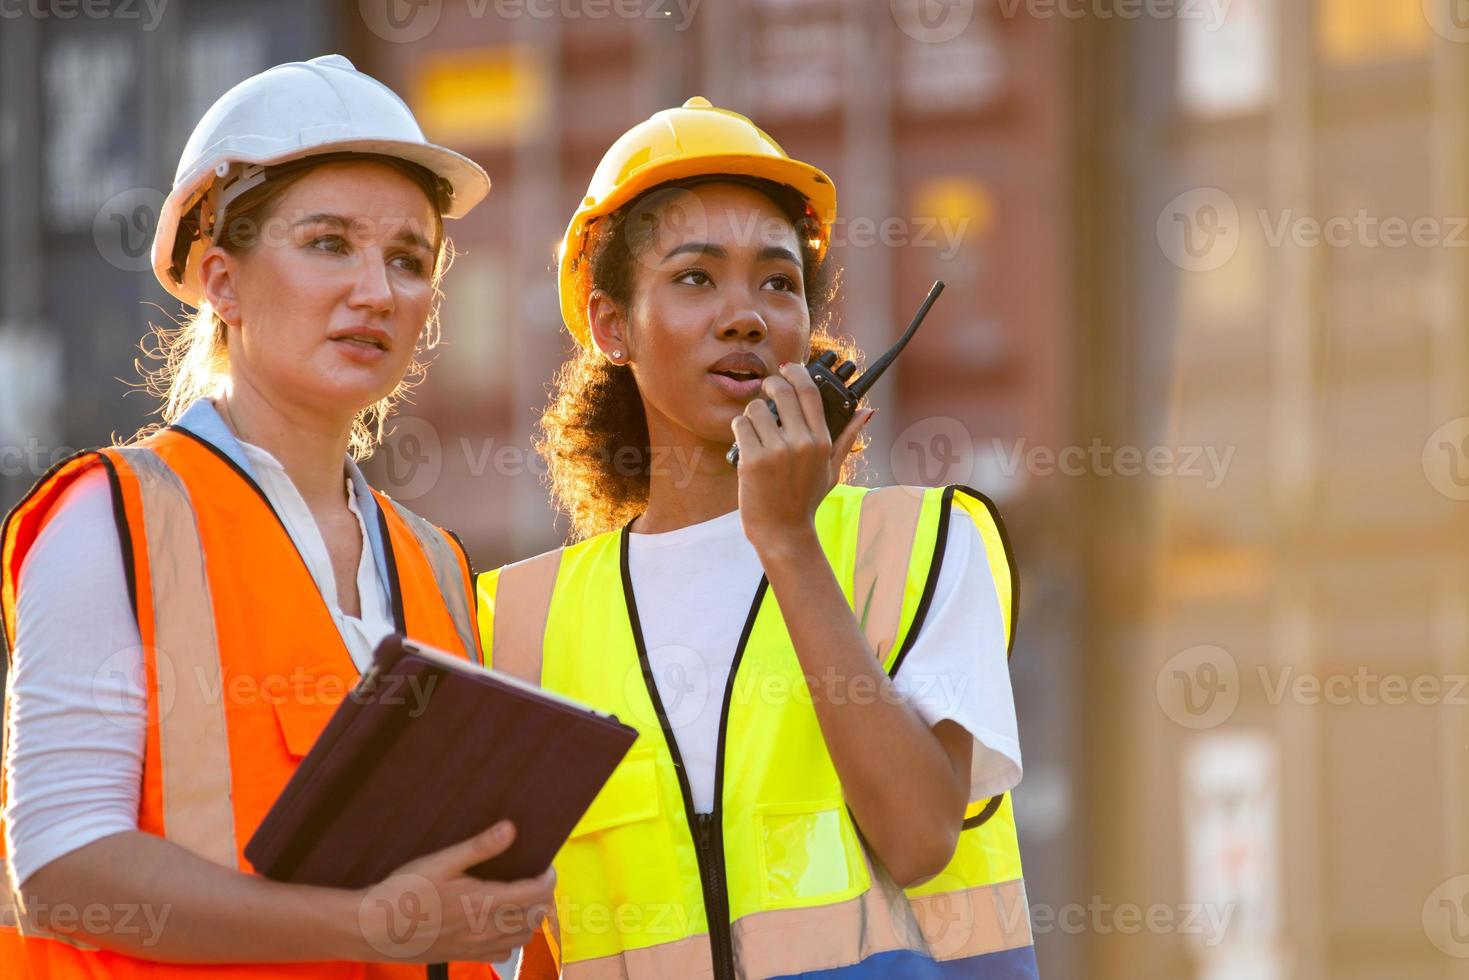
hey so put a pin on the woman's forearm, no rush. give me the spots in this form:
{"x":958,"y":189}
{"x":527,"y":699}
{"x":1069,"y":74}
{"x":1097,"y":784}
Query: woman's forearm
{"x":900,"y":780}
{"x":139,"y":894}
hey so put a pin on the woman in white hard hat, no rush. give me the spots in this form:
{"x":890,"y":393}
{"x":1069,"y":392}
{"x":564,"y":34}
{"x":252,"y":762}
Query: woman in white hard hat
{"x":184,"y":613}
{"x":818,"y":671}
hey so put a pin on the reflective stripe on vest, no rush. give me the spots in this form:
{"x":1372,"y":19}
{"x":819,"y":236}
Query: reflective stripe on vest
{"x":804,"y":896}
{"x":244,"y":664}
{"x":195,"y":775}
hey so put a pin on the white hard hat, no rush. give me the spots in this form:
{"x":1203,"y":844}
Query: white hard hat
{"x":291,"y":111}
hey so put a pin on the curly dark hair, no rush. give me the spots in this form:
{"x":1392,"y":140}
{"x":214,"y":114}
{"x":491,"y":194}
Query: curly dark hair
{"x":593,"y":432}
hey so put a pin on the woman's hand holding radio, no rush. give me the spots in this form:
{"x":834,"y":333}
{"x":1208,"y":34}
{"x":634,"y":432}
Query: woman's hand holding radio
{"x":788,"y":467}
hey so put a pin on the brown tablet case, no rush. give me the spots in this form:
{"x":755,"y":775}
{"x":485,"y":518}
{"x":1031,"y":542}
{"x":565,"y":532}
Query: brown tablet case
{"x":428,"y":750}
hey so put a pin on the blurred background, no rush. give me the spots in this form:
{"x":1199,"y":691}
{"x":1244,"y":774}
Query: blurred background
{"x":1204,"y":341}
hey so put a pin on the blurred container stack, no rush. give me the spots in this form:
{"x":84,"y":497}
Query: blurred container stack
{"x":1203,"y":341}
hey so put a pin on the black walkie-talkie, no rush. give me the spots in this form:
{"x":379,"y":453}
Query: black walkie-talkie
{"x":838,"y":398}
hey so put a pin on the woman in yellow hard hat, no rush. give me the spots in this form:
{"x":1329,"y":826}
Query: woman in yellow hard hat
{"x":817,"y":670}
{"x":184,"y":613}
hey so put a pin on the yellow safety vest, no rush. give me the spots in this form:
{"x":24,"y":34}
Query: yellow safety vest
{"x":776,"y":882}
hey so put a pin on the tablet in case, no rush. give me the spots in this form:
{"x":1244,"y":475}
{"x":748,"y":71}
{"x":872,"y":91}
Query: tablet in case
{"x":429,"y":750}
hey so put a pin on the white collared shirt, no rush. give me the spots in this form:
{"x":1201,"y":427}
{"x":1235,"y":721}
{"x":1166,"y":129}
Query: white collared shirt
{"x":361,"y":633}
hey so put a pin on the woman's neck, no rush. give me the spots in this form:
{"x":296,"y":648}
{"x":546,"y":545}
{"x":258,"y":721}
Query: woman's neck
{"x":690,"y":481}
{"x":309,"y":450}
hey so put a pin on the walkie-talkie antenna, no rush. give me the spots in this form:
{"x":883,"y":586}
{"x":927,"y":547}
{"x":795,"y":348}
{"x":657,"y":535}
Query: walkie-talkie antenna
{"x":869,"y":377}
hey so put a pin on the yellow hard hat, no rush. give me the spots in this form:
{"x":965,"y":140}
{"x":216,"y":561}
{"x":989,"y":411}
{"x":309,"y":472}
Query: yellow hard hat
{"x":694,"y":140}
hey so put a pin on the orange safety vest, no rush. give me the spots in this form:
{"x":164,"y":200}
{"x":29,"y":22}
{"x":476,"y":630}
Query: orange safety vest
{"x":244,"y":666}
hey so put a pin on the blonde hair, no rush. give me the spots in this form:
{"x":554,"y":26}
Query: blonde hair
{"x":192,"y":354}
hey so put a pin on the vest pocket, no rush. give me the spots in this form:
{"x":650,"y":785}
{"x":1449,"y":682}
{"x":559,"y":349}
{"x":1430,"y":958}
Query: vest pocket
{"x":630,"y":795}
{"x":621,"y":879}
{"x":809,"y":855}
{"x":301,"y":722}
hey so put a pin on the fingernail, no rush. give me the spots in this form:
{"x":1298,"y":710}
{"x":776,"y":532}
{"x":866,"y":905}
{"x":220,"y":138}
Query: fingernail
{"x":502,"y":830}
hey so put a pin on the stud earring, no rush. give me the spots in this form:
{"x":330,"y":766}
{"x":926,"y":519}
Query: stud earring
{"x":617,"y":357}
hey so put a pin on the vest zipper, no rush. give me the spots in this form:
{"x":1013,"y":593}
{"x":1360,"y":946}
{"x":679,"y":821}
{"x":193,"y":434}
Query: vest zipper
{"x":705,"y":828}
{"x":716,"y":895}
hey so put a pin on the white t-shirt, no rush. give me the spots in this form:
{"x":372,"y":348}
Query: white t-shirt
{"x":692,"y":611}
{"x":77,"y":704}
